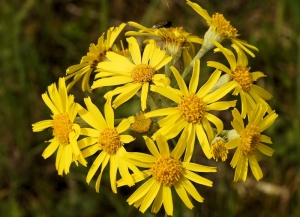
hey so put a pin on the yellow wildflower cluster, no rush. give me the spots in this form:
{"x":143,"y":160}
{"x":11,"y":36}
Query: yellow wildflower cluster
{"x":175,"y":113}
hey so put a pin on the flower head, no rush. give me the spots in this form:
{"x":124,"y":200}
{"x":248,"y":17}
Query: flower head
{"x":166,"y":171}
{"x":250,"y":141}
{"x":96,"y":54}
{"x":240,"y":74}
{"x":141,"y":124}
{"x":104,"y":137}
{"x":218,"y":149}
{"x":136,"y":75}
{"x":192,"y":111}
{"x":174,"y":38}
{"x":220,"y":29}
{"x":65,"y":131}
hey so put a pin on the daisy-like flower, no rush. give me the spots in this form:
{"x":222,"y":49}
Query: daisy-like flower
{"x":65,"y":131}
{"x":104,"y":137}
{"x":174,"y":38}
{"x":192,"y":110}
{"x":240,"y":74}
{"x":95,"y":55}
{"x":165,"y":171}
{"x":137,"y":75}
{"x":219,"y":29}
{"x":250,"y":142}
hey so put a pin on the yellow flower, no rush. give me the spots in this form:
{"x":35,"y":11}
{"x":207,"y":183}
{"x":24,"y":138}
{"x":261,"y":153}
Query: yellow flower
{"x":192,"y":110}
{"x":250,"y":141}
{"x":104,"y":137}
{"x":141,"y":124}
{"x":240,"y":74}
{"x":174,"y":38}
{"x":166,"y":171}
{"x":137,"y":75}
{"x":96,"y":54}
{"x":219,"y":29}
{"x":65,"y":131}
{"x":218,"y":149}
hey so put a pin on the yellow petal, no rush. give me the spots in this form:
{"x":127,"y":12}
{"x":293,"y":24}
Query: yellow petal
{"x":265,"y":149}
{"x":41,"y":125}
{"x":203,"y":91}
{"x":162,"y":145}
{"x":233,"y":143}
{"x":180,"y":81}
{"x":202,"y":138}
{"x":216,"y":121}
{"x":183,"y":195}
{"x":167,"y":200}
{"x":131,"y":89}
{"x":219,"y":66}
{"x":150,"y":196}
{"x":189,"y":187}
{"x":92,"y":108}
{"x":196,"y":178}
{"x":50,"y":149}
{"x":90,"y":150}
{"x":96,"y":164}
{"x":113,"y":168}
{"x":134,"y":50}
{"x":140,"y":159}
{"x":141,"y":191}
{"x":104,"y":163}
{"x":236,"y":157}
{"x":198,"y":168}
{"x":166,"y":93}
{"x":190,"y":131}
{"x":255,"y":168}
{"x":144,"y":94}
{"x":161,"y":112}
{"x":151,"y":146}
{"x":157,"y":201}
{"x":195,"y":77}
{"x":126,"y":138}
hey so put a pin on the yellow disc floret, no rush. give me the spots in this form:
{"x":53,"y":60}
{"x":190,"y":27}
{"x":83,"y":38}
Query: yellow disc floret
{"x":192,"y":108}
{"x":222,"y":26}
{"x":142,"y":73}
{"x":219,"y":150}
{"x":166,"y":170}
{"x":250,"y":140}
{"x":243,"y":77}
{"x":110,"y":141}
{"x":62,"y":126}
{"x":141,"y":123}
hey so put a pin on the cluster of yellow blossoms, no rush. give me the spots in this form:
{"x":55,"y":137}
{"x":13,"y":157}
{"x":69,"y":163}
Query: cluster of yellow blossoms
{"x":174,"y":112}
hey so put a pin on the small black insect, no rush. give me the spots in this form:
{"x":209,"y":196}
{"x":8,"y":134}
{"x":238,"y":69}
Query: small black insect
{"x":165,"y":24}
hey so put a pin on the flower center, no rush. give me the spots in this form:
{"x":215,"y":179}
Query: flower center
{"x":141,"y":123}
{"x":243,"y":77}
{"x":166,"y":170}
{"x":250,"y":140}
{"x":62,"y":126}
{"x":142,"y":73}
{"x":192,"y":109}
{"x":222,"y":26}
{"x":110,"y":141}
{"x":219,"y":150}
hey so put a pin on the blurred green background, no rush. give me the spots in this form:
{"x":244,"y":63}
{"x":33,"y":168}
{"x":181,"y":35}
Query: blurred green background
{"x":41,"y":39}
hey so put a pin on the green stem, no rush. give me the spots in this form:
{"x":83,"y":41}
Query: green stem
{"x":200,"y":54}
